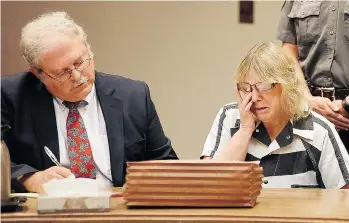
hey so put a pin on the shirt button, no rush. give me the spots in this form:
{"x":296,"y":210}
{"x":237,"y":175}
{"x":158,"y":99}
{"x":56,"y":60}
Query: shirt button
{"x":303,"y":13}
{"x":257,"y":130}
{"x":331,"y":32}
{"x":333,"y":8}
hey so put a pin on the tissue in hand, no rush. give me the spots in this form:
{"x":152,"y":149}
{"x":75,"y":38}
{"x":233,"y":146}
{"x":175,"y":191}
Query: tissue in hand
{"x":73,"y":194}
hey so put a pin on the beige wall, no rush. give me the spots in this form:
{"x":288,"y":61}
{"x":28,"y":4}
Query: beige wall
{"x":185,"y":51}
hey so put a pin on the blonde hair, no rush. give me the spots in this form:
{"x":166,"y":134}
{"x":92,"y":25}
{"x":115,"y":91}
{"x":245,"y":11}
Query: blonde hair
{"x":32,"y":42}
{"x":270,"y":63}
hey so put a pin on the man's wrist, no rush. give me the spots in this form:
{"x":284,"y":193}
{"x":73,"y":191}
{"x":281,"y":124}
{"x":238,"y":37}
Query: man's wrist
{"x":23,"y":178}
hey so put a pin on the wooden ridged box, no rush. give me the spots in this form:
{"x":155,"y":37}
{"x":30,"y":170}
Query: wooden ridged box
{"x":197,"y":183}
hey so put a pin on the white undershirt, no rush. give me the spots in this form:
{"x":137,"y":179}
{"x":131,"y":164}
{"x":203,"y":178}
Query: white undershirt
{"x":92,"y":116}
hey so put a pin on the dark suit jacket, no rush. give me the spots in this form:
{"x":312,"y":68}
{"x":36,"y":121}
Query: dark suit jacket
{"x":133,"y":126}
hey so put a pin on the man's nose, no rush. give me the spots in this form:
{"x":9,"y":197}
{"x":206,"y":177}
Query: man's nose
{"x":75,"y":75}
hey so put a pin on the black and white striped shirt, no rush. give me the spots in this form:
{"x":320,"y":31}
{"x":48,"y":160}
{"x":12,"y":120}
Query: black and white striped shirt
{"x":306,"y":153}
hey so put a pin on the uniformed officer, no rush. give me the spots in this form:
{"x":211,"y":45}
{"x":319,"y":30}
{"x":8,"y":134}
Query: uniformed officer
{"x":317,"y":34}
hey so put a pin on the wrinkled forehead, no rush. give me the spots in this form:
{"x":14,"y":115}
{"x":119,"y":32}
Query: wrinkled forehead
{"x":61,"y":43}
{"x":62,"y":52}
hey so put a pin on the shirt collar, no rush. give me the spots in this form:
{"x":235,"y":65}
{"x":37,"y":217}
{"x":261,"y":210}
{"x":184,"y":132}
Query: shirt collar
{"x":88,"y":98}
{"x":303,"y":127}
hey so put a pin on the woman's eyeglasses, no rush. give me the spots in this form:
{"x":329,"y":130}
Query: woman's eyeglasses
{"x":260,"y":87}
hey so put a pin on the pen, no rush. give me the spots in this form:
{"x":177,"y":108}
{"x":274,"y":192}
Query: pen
{"x":51,"y":156}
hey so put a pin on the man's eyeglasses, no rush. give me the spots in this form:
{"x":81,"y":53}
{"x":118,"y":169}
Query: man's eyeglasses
{"x":260,"y":87}
{"x":63,"y":76}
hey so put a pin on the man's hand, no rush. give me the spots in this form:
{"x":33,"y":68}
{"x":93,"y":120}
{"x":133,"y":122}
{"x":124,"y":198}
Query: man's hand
{"x":341,"y":110}
{"x":34,"y":182}
{"x":332,"y":111}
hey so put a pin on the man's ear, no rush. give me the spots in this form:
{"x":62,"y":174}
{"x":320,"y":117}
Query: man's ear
{"x":37,"y":72}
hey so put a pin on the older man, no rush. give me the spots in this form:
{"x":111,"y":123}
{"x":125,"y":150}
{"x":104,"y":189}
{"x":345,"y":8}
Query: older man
{"x":92,"y":122}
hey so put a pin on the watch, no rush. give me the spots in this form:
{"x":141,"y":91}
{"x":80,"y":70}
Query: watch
{"x":345,"y":105}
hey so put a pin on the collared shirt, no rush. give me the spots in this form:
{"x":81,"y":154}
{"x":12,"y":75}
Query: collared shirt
{"x":93,"y":118}
{"x":306,"y":153}
{"x":320,"y":29}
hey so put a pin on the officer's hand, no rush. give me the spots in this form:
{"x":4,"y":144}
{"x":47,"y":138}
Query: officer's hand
{"x":331,"y":111}
{"x":34,"y":182}
{"x":341,"y":110}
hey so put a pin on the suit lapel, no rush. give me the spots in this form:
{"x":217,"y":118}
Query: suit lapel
{"x":113,"y":116}
{"x":44,"y":120}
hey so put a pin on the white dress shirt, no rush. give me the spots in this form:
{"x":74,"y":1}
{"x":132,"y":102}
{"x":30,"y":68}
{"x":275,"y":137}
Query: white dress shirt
{"x":93,"y":118}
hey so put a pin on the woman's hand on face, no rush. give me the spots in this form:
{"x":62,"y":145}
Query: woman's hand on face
{"x":247,"y":118}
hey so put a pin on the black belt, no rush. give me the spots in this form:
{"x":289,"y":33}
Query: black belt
{"x":329,"y":92}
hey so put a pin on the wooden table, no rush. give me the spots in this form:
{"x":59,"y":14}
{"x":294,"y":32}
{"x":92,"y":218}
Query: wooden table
{"x":273,"y":205}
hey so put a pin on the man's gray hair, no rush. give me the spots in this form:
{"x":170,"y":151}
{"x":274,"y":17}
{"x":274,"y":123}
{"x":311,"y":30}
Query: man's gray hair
{"x":32,"y":42}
